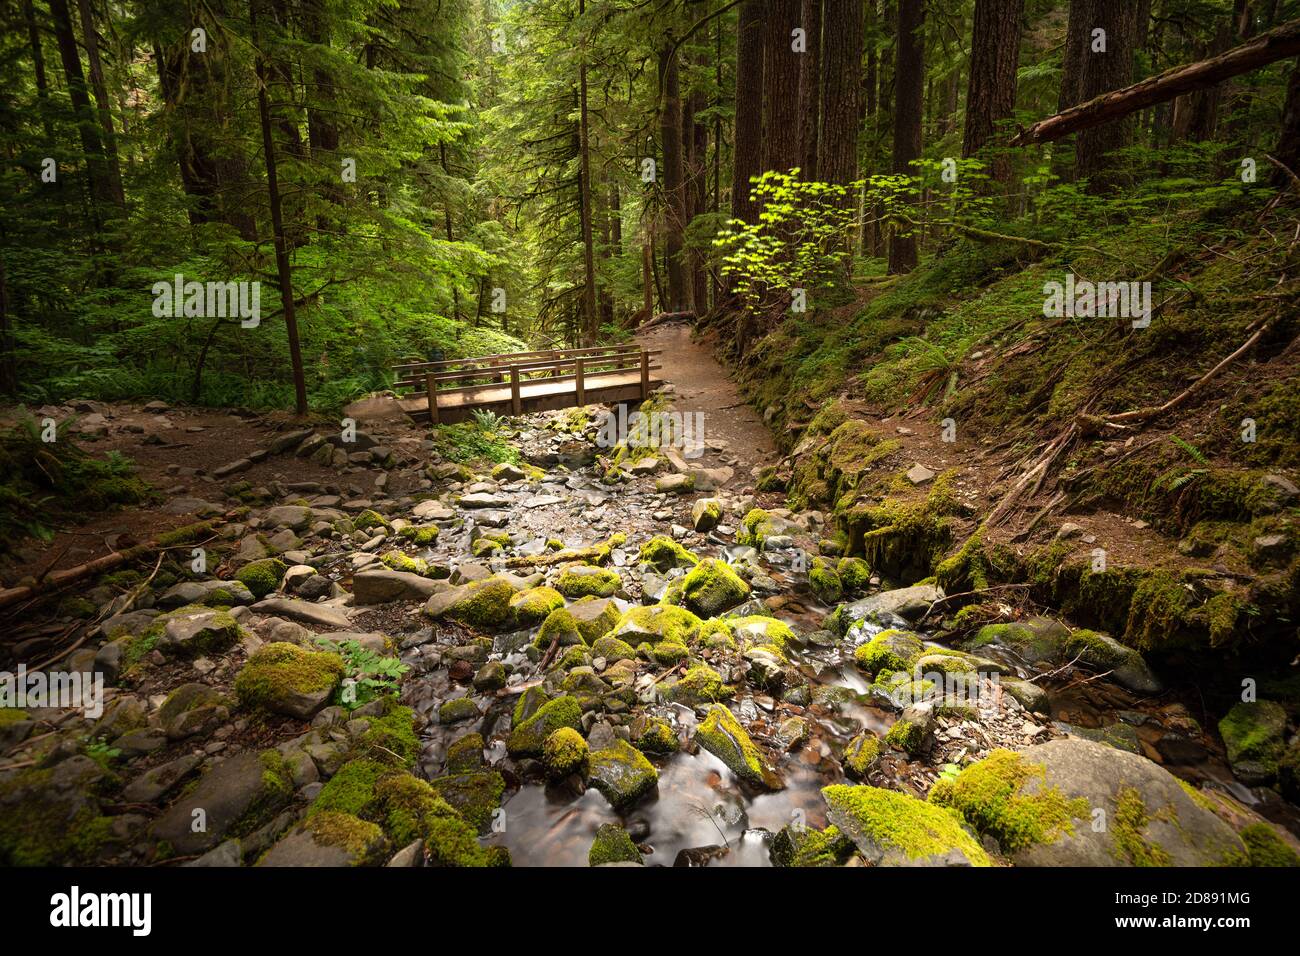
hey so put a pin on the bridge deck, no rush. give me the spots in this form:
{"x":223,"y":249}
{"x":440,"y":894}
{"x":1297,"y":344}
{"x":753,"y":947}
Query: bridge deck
{"x":631,"y":378}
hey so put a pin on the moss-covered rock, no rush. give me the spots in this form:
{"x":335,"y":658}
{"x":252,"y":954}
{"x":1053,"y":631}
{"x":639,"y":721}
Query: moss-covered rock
{"x":594,"y":616}
{"x":287,"y":679}
{"x":465,"y":754}
{"x":422,"y":536}
{"x":262,"y":577}
{"x":1254,"y":734}
{"x":722,"y":735}
{"x":1266,"y":848}
{"x":612,"y":845}
{"x":481,"y":604}
{"x":757,"y":629}
{"x":528,"y":738}
{"x":894,"y":650}
{"x":825,"y":581}
{"x":475,"y":795}
{"x":804,"y":846}
{"x":409,"y":809}
{"x":565,"y":752}
{"x":894,"y":829}
{"x":457,"y":709}
{"x":712,"y":587}
{"x":371,"y":520}
{"x":992,"y":796}
{"x":700,"y":684}
{"x":756,"y":527}
{"x":861,"y":756}
{"x":613,"y":649}
{"x":186,"y":632}
{"x":657,"y":623}
{"x":622,"y":774}
{"x":399,"y":561}
{"x":855,"y":574}
{"x":654,"y":735}
{"x":582,"y":580}
{"x":558,"y":626}
{"x":530,"y":607}
{"x":664,"y":554}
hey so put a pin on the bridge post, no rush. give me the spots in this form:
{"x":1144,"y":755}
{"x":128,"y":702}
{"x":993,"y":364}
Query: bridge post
{"x":582,"y":386}
{"x":515,"y":403}
{"x":645,"y":375}
{"x":432,"y":388}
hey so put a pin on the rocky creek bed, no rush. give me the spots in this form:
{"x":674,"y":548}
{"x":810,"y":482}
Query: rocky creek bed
{"x":608,"y":657}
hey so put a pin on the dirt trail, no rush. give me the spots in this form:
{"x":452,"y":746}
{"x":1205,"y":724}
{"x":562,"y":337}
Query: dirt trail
{"x":705,"y":386}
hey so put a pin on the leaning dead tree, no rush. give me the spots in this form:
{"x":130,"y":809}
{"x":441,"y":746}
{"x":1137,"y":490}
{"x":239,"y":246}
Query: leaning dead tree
{"x":1277,"y":44}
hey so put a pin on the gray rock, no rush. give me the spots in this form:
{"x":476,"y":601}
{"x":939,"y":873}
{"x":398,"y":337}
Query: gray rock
{"x":155,"y":783}
{"x":235,"y":792}
{"x":907,"y":603}
{"x":318,"y":614}
{"x":382,"y":585}
{"x":213,"y":592}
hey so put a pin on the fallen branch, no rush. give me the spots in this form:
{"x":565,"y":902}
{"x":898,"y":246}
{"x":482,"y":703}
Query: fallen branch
{"x":1277,"y":44}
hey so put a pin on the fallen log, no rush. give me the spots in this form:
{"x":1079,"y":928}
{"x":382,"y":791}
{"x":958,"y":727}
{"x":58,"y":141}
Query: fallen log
{"x":1276,"y":44}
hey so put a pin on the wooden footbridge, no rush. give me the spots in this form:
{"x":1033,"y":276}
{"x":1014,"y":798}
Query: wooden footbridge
{"x":516,"y":383}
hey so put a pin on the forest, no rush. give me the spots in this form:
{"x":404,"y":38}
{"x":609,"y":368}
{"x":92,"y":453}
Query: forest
{"x":958,"y":507}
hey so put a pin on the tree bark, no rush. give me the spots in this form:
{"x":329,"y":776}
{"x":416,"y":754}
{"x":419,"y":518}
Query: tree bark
{"x":841,"y":90}
{"x":810,"y":18}
{"x":1102,"y":72}
{"x":277,"y":223}
{"x":991,"y":92}
{"x":38,"y":69}
{"x":590,"y":318}
{"x":1287,"y":151}
{"x":97,"y":174}
{"x":670,"y":119}
{"x":101,"y":101}
{"x":781,"y":121}
{"x":748,"y":146}
{"x":909,"y":87}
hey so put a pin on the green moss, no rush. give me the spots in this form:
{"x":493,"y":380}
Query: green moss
{"x":528,"y":738}
{"x":656,"y":737}
{"x":1255,"y":732}
{"x":861,"y":755}
{"x":485,"y":605}
{"x":612,"y":649}
{"x":369,"y":520}
{"x":531,"y":606}
{"x":585,"y":581}
{"x":37,"y":830}
{"x":565,"y":752}
{"x":391,"y":737}
{"x":352,"y":789}
{"x":893,"y":649}
{"x":362,"y":840}
{"x":825,"y":582}
{"x":756,"y":527}
{"x":905,"y":735}
{"x":558,"y":626}
{"x":990,"y":795}
{"x":809,"y":847}
{"x":622,"y":774}
{"x":717,"y":633}
{"x":612,"y":845}
{"x":855,"y":574}
{"x":712,"y":587}
{"x":476,"y":796}
{"x":458,"y":709}
{"x":1266,"y":848}
{"x":1127,"y":842}
{"x":398,"y":561}
{"x":896,"y":822}
{"x":411,"y":810}
{"x":700,"y":684}
{"x":278,"y":669}
{"x":662,"y":622}
{"x":664,"y":554}
{"x":666,"y":653}
{"x":591,"y":626}
{"x":722,"y":735}
{"x":420,"y":535}
{"x":262,"y":577}
{"x":755,"y":629}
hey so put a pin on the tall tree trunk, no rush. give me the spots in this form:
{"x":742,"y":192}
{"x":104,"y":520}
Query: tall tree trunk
{"x":841,"y":85}
{"x":38,"y":69}
{"x":97,"y":174}
{"x":670,"y":118}
{"x":102,"y":101}
{"x":590,"y":319}
{"x":277,"y":223}
{"x":1102,"y":72}
{"x":747,"y":149}
{"x":909,"y":88}
{"x":991,"y":93}
{"x":810,"y":18}
{"x":1287,"y":151}
{"x":781,"y":121}
{"x":696,"y":136}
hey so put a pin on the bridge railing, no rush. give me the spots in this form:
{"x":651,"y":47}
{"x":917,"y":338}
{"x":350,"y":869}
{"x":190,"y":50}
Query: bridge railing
{"x":518,"y":368}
